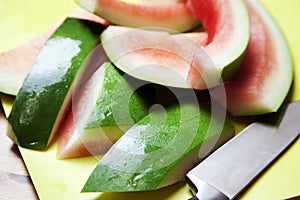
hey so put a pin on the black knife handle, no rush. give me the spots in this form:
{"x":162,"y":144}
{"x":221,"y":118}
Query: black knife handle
{"x":219,"y":197}
{"x":215,"y":198}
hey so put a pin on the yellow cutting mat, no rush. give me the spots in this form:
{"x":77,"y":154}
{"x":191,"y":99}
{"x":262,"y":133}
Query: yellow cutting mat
{"x":21,"y":21}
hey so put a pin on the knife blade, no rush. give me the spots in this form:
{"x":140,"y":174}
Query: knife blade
{"x":232,"y":167}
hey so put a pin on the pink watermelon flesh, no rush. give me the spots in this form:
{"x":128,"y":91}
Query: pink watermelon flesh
{"x":227,"y":25}
{"x":143,"y":53}
{"x":16,"y":63}
{"x":172,"y":15}
{"x":71,"y":141}
{"x":266,"y":73}
{"x":100,"y":111}
{"x":181,"y":60}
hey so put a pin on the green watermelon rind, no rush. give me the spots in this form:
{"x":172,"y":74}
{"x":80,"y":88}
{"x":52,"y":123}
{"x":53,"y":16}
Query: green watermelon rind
{"x":268,"y":95}
{"x":226,"y":65}
{"x":116,"y":89}
{"x":153,"y":172}
{"x":43,"y":97}
{"x":107,"y":105}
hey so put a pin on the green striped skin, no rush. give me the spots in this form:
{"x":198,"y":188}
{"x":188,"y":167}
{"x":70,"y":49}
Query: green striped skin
{"x":123,"y":100}
{"x":157,"y":151}
{"x":45,"y":92}
{"x":111,"y":103}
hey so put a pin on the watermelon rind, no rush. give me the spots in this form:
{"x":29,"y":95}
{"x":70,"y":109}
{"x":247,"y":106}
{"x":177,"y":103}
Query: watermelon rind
{"x":46,"y":91}
{"x":159,"y":149}
{"x":172,"y":15}
{"x":177,"y":60}
{"x":123,"y":45}
{"x":103,"y":111}
{"x":266,"y":74}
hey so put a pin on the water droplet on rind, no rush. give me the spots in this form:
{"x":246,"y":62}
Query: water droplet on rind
{"x":33,"y":143}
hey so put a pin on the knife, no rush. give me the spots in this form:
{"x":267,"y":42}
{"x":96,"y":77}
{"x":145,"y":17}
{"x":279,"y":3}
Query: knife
{"x":232,"y":167}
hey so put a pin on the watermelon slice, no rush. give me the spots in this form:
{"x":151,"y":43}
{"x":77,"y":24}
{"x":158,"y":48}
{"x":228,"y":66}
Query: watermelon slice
{"x":267,"y":71}
{"x":179,"y":60}
{"x":227,"y":24}
{"x":16,"y":63}
{"x":172,"y":14}
{"x":44,"y":96}
{"x":108,"y":105}
{"x":144,"y":53}
{"x":156,"y":153}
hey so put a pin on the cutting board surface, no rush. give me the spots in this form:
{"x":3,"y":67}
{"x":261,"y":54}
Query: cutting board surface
{"x":21,"y":21}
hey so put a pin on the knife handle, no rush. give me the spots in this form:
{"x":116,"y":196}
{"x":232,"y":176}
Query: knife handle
{"x":194,"y":198}
{"x":204,"y":191}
